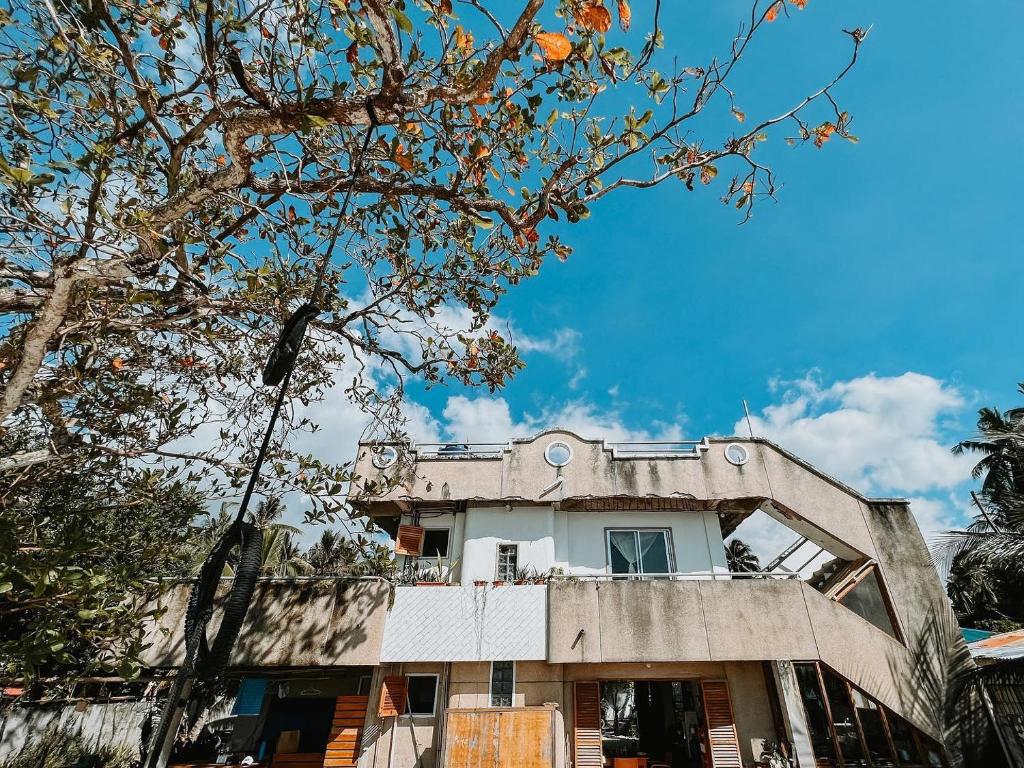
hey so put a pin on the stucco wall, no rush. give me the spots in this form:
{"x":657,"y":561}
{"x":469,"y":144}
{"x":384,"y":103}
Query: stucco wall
{"x":413,"y":740}
{"x":531,"y":527}
{"x":116,"y":725}
{"x":290,"y":623}
{"x":652,"y":621}
{"x":577,"y":541}
{"x":536,"y":683}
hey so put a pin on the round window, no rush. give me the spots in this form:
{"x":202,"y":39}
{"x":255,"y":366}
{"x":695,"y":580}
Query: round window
{"x":558,"y":454}
{"x":736,"y":454}
{"x":385,"y":456}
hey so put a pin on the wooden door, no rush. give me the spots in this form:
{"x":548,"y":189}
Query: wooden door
{"x":723,"y":745}
{"x":586,"y":716}
{"x":345,"y":742}
{"x":500,"y":737}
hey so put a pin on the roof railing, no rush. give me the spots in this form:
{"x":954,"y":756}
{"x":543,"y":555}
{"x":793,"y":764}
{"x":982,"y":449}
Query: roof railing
{"x":657,"y":448}
{"x":456,"y":450}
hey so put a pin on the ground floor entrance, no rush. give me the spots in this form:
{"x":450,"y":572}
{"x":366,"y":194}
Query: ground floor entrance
{"x":657,"y":723}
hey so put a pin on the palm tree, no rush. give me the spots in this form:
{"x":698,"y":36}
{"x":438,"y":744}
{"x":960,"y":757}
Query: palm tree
{"x":741,"y":558}
{"x":332,"y":555}
{"x":995,"y":536}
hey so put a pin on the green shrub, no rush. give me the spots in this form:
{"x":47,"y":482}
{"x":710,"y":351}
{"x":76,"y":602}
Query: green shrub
{"x":60,"y":749}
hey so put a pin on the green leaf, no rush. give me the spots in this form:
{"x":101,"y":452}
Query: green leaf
{"x":402,"y":20}
{"x":6,"y":586}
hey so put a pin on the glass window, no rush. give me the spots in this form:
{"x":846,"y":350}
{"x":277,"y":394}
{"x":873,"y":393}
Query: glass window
{"x":435,"y":542}
{"x":843,"y":719}
{"x":503,"y":675}
{"x":903,"y":739}
{"x":817,"y":716}
{"x":873,"y":728}
{"x":867,"y":601}
{"x":638,"y":551}
{"x":421,"y":695}
{"x":508,"y":561}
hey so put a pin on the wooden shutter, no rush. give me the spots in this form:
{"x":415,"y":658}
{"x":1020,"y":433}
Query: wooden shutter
{"x":346,"y":732}
{"x":725,"y":747}
{"x":409,"y":541}
{"x":392,"y":697}
{"x":586,"y":715}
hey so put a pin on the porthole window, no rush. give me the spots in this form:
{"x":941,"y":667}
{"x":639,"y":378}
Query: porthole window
{"x":384,"y":457}
{"x":736,"y":454}
{"x":558,"y":454}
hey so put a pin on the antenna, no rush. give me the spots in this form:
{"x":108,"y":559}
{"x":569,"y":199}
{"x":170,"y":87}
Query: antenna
{"x":746,"y":412}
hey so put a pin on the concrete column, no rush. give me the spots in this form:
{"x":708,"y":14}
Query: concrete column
{"x":797,"y":731}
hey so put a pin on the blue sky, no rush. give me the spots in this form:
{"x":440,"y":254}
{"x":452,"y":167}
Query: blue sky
{"x":879,"y":290}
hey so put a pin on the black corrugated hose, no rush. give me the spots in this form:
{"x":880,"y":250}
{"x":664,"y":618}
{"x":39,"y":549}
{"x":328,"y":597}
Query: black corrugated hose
{"x":204,"y":660}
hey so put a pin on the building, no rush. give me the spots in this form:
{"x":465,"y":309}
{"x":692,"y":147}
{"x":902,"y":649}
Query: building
{"x":589,"y":580}
{"x":568,"y":602}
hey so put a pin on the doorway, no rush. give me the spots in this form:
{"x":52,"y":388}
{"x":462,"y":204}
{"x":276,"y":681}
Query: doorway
{"x":651,"y":724}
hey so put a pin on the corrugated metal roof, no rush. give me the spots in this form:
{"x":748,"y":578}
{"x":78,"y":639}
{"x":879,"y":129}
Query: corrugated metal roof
{"x":974,"y":635}
{"x":1007,"y":645}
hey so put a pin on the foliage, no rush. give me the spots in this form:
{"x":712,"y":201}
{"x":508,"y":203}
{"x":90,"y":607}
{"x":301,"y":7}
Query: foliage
{"x":740,"y":557}
{"x":334,"y":554}
{"x":986,"y":595}
{"x":60,"y":749}
{"x":71,"y":549}
{"x":338,"y":555}
{"x":172,"y":172}
{"x":993,"y":544}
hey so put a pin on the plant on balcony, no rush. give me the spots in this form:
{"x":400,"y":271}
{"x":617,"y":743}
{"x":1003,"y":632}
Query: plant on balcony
{"x":436,"y":575}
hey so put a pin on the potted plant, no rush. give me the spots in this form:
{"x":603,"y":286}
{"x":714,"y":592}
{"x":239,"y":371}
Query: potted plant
{"x":438,"y":575}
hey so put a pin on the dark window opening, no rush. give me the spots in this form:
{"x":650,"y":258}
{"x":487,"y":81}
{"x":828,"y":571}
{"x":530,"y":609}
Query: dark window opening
{"x":508,"y":561}
{"x":817,"y":715}
{"x":502,"y":683}
{"x":843,"y":721}
{"x":435,"y":542}
{"x":867,"y":600}
{"x":421,"y":695}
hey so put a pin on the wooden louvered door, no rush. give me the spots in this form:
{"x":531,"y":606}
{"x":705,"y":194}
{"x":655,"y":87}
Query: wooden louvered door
{"x":721,"y":728}
{"x":346,"y":732}
{"x":587,"y":726}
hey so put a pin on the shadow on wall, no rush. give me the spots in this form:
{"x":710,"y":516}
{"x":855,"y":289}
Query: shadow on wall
{"x":325,"y":621}
{"x":943,"y":687}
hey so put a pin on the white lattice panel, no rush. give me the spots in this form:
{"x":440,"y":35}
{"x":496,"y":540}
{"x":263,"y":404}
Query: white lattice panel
{"x":467,"y":623}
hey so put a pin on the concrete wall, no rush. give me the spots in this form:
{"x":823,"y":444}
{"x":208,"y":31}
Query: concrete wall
{"x":115,"y":725}
{"x":291,"y":623}
{"x":653,"y":621}
{"x":520,"y":474}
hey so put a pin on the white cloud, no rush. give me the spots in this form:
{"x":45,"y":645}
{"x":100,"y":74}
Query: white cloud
{"x":489,"y":419}
{"x":882,"y":435}
{"x":879,"y":434}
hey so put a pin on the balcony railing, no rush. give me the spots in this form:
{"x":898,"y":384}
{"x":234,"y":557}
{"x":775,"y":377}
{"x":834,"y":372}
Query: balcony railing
{"x":676,"y":576}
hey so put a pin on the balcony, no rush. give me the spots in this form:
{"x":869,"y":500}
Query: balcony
{"x":704,"y":617}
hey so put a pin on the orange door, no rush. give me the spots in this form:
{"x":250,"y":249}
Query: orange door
{"x":346,"y":732}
